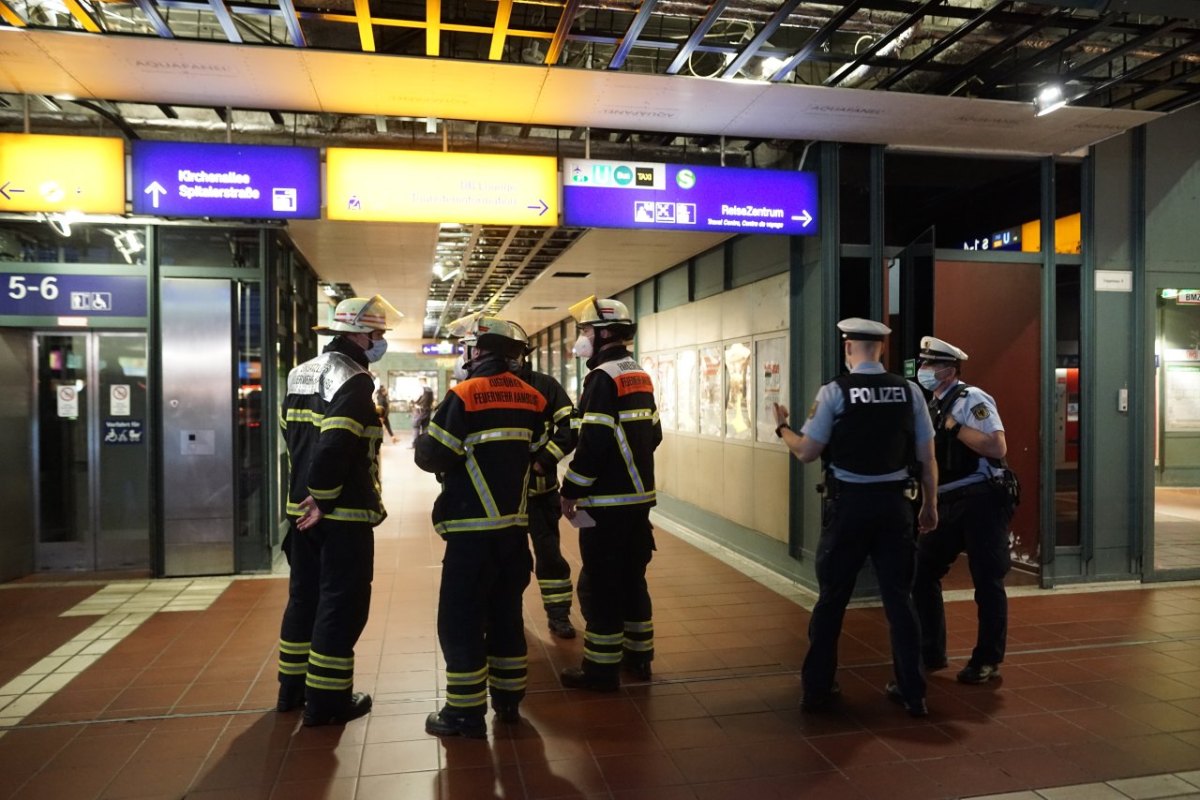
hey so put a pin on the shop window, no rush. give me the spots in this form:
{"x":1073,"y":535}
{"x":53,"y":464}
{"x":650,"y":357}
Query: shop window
{"x":208,"y":247}
{"x":645,"y":299}
{"x":758,"y":257}
{"x":672,"y":287}
{"x":58,"y":240}
{"x":708,"y":274}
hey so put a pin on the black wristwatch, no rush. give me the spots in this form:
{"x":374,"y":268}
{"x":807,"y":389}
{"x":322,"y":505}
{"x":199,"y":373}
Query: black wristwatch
{"x":779,"y":429}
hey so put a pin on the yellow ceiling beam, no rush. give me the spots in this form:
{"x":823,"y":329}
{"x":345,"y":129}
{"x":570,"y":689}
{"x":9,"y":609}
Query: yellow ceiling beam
{"x":9,"y":15}
{"x":366,"y":34}
{"x":503,"y":16}
{"x":82,"y":16}
{"x":433,"y":27}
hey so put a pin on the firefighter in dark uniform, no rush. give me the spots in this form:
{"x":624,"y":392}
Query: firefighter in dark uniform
{"x":479,"y":443}
{"x":552,"y":570}
{"x":333,"y":437}
{"x":974,"y":510}
{"x":611,"y":478}
{"x":870,"y":428}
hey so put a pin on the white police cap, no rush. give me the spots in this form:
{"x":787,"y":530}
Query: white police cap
{"x":935,"y":349}
{"x":869,"y":330}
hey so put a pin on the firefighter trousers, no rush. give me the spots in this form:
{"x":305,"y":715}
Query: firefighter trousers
{"x":329,"y":597}
{"x":613,"y":594}
{"x":480,"y":627}
{"x":552,"y":570}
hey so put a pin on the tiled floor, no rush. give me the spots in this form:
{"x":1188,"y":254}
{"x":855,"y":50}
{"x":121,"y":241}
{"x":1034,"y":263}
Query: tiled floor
{"x":1099,"y":688}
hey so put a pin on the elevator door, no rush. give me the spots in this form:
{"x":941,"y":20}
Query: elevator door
{"x":91,"y":458}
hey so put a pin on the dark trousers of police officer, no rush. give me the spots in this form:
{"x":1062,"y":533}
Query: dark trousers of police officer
{"x":552,"y":570}
{"x":973,"y":519}
{"x":480,"y":627}
{"x":613,"y":594}
{"x":329,"y":598}
{"x":860,"y":522}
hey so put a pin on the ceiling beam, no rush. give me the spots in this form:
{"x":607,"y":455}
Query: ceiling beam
{"x":500,"y":31}
{"x":565,"y":22}
{"x":1184,"y":100}
{"x":433,"y":27}
{"x":225,"y":17}
{"x":10,"y":15}
{"x":959,"y":78}
{"x":1131,"y":99}
{"x":156,"y":19}
{"x":1042,"y":56}
{"x":366,"y":33}
{"x":685,"y":52}
{"x":880,"y":43}
{"x":83,"y":16}
{"x":1120,"y":50}
{"x":816,"y":40}
{"x":942,"y":44}
{"x":500,"y":253}
{"x":631,"y":34}
{"x":778,"y":18}
{"x":292,"y":21}
{"x":1146,"y":67}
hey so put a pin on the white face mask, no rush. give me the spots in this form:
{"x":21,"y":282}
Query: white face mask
{"x":376,"y":350}
{"x":583,"y":346}
{"x":460,"y":368}
{"x":927,"y":377}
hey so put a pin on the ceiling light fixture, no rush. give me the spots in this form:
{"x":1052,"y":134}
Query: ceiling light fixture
{"x":1050,"y":98}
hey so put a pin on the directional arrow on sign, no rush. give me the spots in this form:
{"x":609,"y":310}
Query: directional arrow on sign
{"x":803,"y":217}
{"x":540,"y":204}
{"x":155,"y":190}
{"x":4,"y":190}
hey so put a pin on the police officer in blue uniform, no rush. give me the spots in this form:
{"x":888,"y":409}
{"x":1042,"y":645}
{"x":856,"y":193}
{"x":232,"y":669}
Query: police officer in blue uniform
{"x":974,"y":510}
{"x":871,"y":429}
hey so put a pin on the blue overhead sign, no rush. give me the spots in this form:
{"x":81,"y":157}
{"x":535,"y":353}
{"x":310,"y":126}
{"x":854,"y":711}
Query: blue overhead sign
{"x":189,"y":179}
{"x":634,"y":194}
{"x":34,"y":295}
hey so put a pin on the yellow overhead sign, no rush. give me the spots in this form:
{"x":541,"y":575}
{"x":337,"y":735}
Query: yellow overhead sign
{"x":62,"y":173}
{"x":406,"y":186}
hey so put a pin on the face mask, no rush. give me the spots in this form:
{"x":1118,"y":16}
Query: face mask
{"x":927,"y":377}
{"x":583,"y":346}
{"x":376,"y":350}
{"x":460,"y":368}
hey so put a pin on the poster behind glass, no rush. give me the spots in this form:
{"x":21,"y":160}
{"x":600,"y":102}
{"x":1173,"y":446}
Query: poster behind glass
{"x":649,"y":362}
{"x":739,"y":391}
{"x":667,"y":394}
{"x":569,"y":368}
{"x":686,"y":379}
{"x":770,"y":371}
{"x":712,"y":400}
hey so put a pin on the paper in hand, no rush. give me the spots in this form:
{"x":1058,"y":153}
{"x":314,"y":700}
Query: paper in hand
{"x":582,"y":519}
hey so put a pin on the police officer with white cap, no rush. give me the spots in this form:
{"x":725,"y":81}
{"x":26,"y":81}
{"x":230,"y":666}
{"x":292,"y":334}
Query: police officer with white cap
{"x":870,"y":428}
{"x":973,"y":512}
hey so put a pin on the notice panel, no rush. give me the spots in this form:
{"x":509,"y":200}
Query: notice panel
{"x":629,"y":194}
{"x":190,"y":179}
{"x":36,"y":295}
{"x":404,"y":186}
{"x":62,"y":173}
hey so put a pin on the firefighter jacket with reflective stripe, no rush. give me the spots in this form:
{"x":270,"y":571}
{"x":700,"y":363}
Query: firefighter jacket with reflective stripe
{"x":333,"y":435}
{"x":613,"y":465}
{"x":561,"y":440}
{"x":480,"y":442}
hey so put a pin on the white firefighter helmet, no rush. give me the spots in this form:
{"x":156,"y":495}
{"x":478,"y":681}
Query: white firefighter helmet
{"x":491,"y":333}
{"x":600,"y":313}
{"x":362,"y":315}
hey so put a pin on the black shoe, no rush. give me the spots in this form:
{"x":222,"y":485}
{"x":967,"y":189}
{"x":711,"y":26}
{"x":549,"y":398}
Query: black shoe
{"x":291,"y":698}
{"x":637,"y":668}
{"x":577,"y":678}
{"x":934,"y":663}
{"x":915,"y":708}
{"x":508,"y":713}
{"x":561,"y":628}
{"x":359,"y":705}
{"x":821,"y":701}
{"x":978,"y":673}
{"x":445,"y":723}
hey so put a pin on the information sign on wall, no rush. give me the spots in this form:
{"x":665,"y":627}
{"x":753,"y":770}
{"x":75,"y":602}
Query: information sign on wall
{"x":190,"y":179}
{"x":617,"y":194}
{"x":62,"y":173}
{"x":33,"y":295}
{"x":404,"y":186}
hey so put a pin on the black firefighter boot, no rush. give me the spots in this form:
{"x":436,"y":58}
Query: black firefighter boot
{"x":560,"y":622}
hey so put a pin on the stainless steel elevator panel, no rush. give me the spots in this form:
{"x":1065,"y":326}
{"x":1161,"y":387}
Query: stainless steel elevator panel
{"x":198,"y":414}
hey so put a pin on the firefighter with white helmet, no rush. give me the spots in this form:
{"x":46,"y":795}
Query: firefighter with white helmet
{"x":611,"y":477}
{"x":333,"y":436}
{"x":479,"y":443}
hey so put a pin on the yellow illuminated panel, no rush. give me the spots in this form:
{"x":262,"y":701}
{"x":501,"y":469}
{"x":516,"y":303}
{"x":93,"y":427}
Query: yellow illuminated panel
{"x":62,"y":173}
{"x":1067,"y":235}
{"x":405,"y":186}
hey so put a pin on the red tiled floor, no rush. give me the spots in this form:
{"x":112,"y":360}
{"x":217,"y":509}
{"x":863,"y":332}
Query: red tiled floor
{"x":1097,"y":686}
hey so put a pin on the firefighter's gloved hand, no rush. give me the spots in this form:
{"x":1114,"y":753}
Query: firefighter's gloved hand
{"x":568,"y":506}
{"x":310,"y":515}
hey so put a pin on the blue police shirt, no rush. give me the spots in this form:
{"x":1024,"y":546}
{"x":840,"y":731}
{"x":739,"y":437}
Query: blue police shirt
{"x":975,"y":409}
{"x":830,"y":403}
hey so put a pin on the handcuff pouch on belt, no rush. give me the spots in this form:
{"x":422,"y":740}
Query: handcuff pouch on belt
{"x":1006,"y":484}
